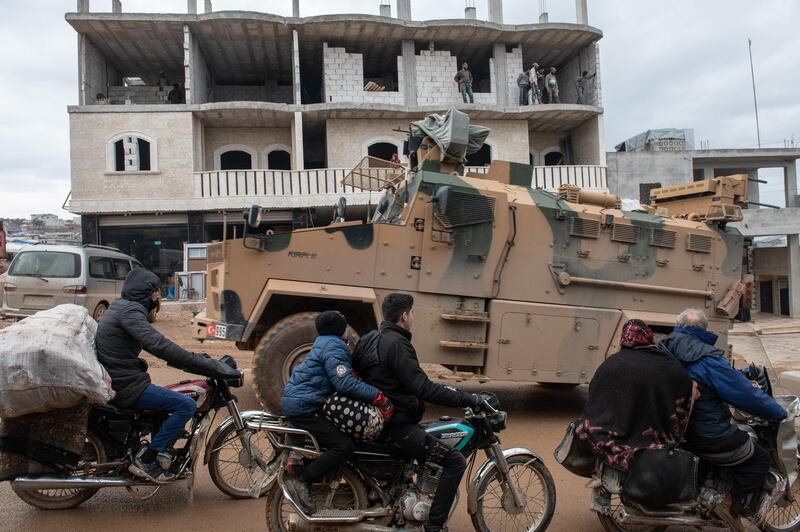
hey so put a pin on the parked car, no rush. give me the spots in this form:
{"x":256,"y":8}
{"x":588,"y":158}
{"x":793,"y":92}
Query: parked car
{"x":42,"y":276}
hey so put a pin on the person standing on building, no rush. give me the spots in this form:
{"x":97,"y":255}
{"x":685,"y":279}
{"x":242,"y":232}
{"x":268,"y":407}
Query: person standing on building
{"x":551,"y":86}
{"x":524,"y":84}
{"x":581,"y":84}
{"x":176,"y":94}
{"x":533,"y":75}
{"x":464,"y":79}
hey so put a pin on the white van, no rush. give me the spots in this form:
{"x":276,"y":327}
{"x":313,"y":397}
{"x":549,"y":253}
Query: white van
{"x":43,"y":276}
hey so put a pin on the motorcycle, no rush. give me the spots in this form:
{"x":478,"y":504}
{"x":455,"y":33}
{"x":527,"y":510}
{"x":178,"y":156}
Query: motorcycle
{"x":378,"y":491}
{"x":779,"y":508}
{"x":235,"y":451}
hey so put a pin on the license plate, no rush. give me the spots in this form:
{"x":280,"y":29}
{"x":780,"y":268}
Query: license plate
{"x":38,"y":300}
{"x":216,"y":331}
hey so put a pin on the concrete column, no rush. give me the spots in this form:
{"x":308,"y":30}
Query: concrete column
{"x":500,"y":74}
{"x":793,"y":242}
{"x":470,"y":13}
{"x":544,"y":18}
{"x":116,"y":6}
{"x":409,"y":73}
{"x":296,"y":8}
{"x":208,"y":6}
{"x":404,"y":9}
{"x":191,"y":7}
{"x":83,"y":6}
{"x":581,"y":12}
{"x":298,"y":98}
{"x":386,"y":10}
{"x":298,"y":161}
{"x":496,"y":11}
{"x":708,"y":172}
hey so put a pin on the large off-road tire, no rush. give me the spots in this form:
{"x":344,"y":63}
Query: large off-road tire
{"x":536,"y":486}
{"x":351,"y":495}
{"x":93,"y":452}
{"x":284,"y":346}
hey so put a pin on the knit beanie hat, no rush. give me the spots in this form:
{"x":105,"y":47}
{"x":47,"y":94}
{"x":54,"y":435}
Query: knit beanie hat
{"x":330,"y":323}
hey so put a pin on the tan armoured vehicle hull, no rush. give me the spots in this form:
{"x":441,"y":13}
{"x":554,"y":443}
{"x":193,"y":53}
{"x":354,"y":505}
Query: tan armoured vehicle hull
{"x":510,"y":283}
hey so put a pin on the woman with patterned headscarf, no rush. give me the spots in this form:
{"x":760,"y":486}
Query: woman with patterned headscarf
{"x":639,"y":398}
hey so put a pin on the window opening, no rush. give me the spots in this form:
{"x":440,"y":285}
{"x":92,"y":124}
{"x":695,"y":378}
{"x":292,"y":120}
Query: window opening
{"x":279,"y":160}
{"x":236,"y":160}
{"x":482,"y":157}
{"x":554,"y":158}
{"x":382,"y":150}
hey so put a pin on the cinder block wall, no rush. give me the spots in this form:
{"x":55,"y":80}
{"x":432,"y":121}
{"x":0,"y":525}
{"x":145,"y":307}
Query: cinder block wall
{"x":343,"y":75}
{"x":513,"y":70}
{"x":569,"y":74}
{"x":435,"y":85}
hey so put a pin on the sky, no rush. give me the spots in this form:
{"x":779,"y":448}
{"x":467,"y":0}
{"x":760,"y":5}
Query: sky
{"x":676,"y":63}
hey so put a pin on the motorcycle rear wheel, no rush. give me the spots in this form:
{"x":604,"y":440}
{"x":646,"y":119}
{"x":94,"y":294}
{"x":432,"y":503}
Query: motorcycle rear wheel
{"x":93,"y":453}
{"x":351,"y":495}
{"x":610,"y":522}
{"x":491,"y":495}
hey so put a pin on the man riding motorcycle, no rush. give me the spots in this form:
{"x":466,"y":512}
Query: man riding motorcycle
{"x":387,"y":360}
{"x":122,"y":333}
{"x":711,"y":434}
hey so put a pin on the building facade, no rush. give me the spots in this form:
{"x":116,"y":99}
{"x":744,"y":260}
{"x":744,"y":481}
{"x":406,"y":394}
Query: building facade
{"x":186,"y":119}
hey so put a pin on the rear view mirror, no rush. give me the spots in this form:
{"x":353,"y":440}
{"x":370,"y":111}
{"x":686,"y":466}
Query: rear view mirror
{"x":253,"y":216}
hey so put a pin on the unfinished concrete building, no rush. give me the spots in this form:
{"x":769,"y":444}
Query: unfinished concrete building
{"x":185,"y":117}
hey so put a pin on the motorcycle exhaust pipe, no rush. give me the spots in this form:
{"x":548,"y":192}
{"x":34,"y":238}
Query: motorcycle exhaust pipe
{"x":298,"y":524}
{"x":61,"y":483}
{"x":647,"y":520}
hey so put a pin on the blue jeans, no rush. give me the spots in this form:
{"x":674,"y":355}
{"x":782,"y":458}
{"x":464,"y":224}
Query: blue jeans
{"x":466,"y":90}
{"x":180,"y":408}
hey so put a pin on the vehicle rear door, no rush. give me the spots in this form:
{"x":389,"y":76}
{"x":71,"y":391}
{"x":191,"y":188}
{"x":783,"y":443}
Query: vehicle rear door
{"x":40,"y":279}
{"x":102,"y":279}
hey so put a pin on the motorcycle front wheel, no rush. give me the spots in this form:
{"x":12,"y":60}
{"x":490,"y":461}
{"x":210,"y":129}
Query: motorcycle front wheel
{"x":230,"y":466}
{"x":351,"y":494}
{"x":93,"y":453}
{"x":611,"y":522}
{"x":785,"y":519}
{"x":496,"y":508}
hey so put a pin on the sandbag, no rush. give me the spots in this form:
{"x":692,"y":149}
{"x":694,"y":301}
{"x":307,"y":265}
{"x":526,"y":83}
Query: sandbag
{"x":48,"y":361}
{"x":41,"y":443}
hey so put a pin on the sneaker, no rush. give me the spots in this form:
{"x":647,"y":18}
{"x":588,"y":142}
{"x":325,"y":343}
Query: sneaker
{"x":301,"y":494}
{"x":151,"y":471}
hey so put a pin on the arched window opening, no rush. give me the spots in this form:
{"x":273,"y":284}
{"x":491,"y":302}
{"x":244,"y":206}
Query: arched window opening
{"x":235,"y":160}
{"x":382,"y":150}
{"x":553,"y":158}
{"x":279,"y":160}
{"x":131,"y":154}
{"x":482,"y":157}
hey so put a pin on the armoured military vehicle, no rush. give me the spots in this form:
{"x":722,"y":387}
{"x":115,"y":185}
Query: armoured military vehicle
{"x":510,"y":283}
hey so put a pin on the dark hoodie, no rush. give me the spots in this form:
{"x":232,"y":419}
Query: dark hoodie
{"x":720,"y":385}
{"x":124,"y":331}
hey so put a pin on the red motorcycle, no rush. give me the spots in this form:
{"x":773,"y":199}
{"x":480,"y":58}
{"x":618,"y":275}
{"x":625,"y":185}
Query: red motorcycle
{"x":236,"y":452}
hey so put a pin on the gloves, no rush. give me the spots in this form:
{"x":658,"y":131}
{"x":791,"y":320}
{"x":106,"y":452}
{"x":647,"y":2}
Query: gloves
{"x":385,"y":406}
{"x":475,"y":403}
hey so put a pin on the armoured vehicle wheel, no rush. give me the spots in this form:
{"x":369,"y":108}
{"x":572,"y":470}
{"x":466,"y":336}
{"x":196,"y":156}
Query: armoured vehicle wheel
{"x":284,"y":346}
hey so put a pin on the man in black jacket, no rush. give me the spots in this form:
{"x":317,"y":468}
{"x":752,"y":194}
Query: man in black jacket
{"x":387,"y":360}
{"x":122,"y":333}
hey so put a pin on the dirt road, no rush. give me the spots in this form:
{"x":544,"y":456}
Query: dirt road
{"x":537,"y":419}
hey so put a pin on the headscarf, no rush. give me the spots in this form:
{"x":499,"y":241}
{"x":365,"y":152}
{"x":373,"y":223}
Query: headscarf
{"x":636,"y":333}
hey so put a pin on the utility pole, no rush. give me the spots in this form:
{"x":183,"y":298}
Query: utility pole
{"x":753,"y":78}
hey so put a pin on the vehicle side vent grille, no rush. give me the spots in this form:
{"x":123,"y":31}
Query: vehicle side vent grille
{"x":624,"y":233}
{"x":584,"y":228}
{"x":465,"y":208}
{"x":699,"y":243}
{"x":663,"y":238}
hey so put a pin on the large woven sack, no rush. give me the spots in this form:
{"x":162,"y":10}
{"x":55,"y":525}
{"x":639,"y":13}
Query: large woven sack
{"x":362,"y":421}
{"x":47,"y":361}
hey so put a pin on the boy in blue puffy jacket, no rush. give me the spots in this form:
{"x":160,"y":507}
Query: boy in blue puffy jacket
{"x":327,"y":369}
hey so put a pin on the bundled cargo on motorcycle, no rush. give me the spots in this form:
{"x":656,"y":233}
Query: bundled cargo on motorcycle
{"x":47,"y":361}
{"x":49,"y":375}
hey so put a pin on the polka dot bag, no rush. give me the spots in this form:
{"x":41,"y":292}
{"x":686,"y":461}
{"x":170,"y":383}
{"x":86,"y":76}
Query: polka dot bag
{"x":360,"y":420}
